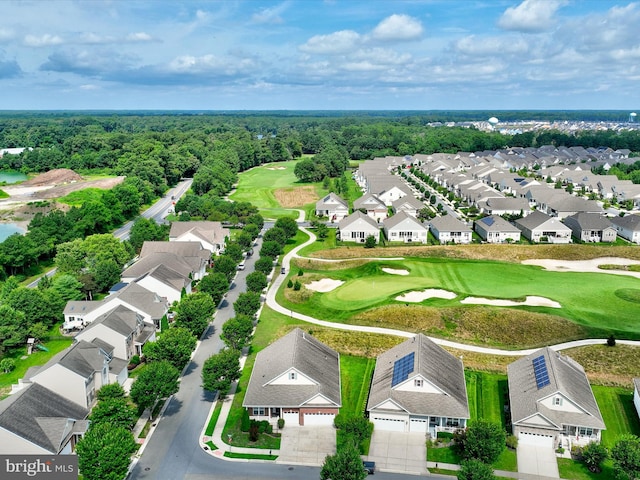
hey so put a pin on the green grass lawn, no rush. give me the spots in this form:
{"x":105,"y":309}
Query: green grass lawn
{"x":355,"y":375}
{"x":486,"y":393}
{"x":573,"y":470}
{"x":618,"y":412}
{"x":585,"y":298}
{"x":79,"y":197}
{"x":506,"y":461}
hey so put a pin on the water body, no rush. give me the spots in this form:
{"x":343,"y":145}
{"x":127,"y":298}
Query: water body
{"x":7,"y":229}
{"x":12,"y":176}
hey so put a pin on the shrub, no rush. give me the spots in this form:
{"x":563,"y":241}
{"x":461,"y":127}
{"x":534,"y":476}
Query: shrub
{"x":297,"y":285}
{"x":445,"y":435}
{"x":512,"y":442}
{"x":281,"y":423}
{"x":370,"y":242}
{"x":135,"y":360}
{"x":611,"y":341}
{"x":593,"y":455}
{"x":290,"y":283}
{"x":263,"y":426}
{"x":245,"y":421}
{"x":300,"y":273}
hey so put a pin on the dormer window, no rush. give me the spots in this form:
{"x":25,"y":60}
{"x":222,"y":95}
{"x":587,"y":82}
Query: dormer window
{"x":557,"y":401}
{"x":293,"y":375}
{"x":417,"y":382}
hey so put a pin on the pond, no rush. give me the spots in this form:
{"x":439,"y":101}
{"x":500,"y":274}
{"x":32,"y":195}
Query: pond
{"x":7,"y":229}
{"x":11,"y":176}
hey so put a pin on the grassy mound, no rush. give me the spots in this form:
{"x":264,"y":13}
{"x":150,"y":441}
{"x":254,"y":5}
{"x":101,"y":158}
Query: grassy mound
{"x":481,"y":325}
{"x":629,"y":294}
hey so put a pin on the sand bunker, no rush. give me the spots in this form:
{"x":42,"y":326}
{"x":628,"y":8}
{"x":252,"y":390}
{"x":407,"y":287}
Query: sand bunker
{"x":276,"y":168}
{"x":425,"y":294}
{"x":585,"y":265}
{"x":395,"y":271}
{"x":325,"y":285}
{"x":531,"y":301}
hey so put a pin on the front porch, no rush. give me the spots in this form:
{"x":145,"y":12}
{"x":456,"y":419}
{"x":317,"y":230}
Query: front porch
{"x":573,"y":435}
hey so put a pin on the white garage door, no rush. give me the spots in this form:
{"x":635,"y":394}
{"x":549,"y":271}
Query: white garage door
{"x":318,"y":419}
{"x":291,"y":418}
{"x":535,"y":440}
{"x":389,"y":424}
{"x":418,"y":425}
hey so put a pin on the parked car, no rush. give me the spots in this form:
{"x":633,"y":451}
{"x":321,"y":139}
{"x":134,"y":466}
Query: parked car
{"x":241,"y":265}
{"x":283,"y":270}
{"x":369,"y":467}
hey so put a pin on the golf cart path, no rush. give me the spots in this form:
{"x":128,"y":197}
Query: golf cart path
{"x":286,"y":263}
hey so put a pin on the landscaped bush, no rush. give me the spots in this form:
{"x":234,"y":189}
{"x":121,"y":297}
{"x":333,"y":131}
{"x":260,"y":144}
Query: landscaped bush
{"x":253,"y":431}
{"x":290,"y":284}
{"x":263,"y":426}
{"x":297,"y":285}
{"x":281,"y":423}
{"x":445,"y":435}
{"x":512,"y":442}
{"x":245,"y":421}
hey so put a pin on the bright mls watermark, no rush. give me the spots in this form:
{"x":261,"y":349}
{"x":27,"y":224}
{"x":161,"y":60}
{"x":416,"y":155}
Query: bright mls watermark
{"x":49,"y":467}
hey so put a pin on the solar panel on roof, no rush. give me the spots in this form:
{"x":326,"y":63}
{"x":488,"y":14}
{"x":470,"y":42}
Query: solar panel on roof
{"x":402,"y":368}
{"x":540,"y":371}
{"x":488,"y":220}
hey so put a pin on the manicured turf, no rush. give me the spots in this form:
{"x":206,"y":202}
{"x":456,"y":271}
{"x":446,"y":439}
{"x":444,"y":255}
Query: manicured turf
{"x":355,"y":375}
{"x":486,"y":393}
{"x":586,"y":298}
{"x":618,"y":412}
{"x":575,"y":470}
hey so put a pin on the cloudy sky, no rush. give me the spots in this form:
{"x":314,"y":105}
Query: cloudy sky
{"x":314,"y":54}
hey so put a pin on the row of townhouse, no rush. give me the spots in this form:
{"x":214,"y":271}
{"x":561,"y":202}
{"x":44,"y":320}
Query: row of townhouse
{"x":48,"y":408}
{"x":418,"y":386}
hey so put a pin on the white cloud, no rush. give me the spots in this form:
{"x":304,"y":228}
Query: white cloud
{"x":89,"y":86}
{"x":45,"y":40}
{"x":334,"y":43}
{"x":271,"y":15}
{"x":139,"y":37}
{"x":210,"y":63}
{"x":398,"y":28}
{"x":482,"y":46}
{"x":530,"y":16}
{"x":6,"y":34}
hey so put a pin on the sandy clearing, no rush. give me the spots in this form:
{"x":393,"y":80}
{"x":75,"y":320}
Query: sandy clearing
{"x":325,"y":285}
{"x":276,"y":168}
{"x":531,"y":301}
{"x":585,"y":265}
{"x":425,"y":294}
{"x":395,"y":271}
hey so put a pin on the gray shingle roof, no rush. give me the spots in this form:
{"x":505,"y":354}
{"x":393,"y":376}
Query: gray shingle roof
{"x":42,"y":417}
{"x":167,"y":276}
{"x":433,"y":363}
{"x":533,"y":220}
{"x":588,"y":221}
{"x":354,"y":217}
{"x":448,"y":223}
{"x":83,"y":358}
{"x":302,"y":352}
{"x":212,"y":232}
{"x":631,"y":222}
{"x":148,"y":263}
{"x":139,"y":297}
{"x":121,"y":319}
{"x":495,"y":223}
{"x":401,"y":217}
{"x":331,"y":199}
{"x":368,"y":201}
{"x":566,"y":376}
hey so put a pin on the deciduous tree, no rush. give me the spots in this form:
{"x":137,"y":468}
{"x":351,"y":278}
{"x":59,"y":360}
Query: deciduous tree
{"x":346,"y":464}
{"x":248,"y":303}
{"x":236,"y":332}
{"x":157,"y":381}
{"x":626,"y":457}
{"x":104,"y":453}
{"x":174,"y":345}
{"x":220,"y":370}
{"x":194,"y":312}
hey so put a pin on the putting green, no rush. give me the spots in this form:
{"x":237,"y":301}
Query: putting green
{"x":587,"y":298}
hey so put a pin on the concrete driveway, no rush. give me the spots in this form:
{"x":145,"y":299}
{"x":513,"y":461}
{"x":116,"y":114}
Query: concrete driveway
{"x":399,"y":452}
{"x":539,"y":461}
{"x":306,"y":445}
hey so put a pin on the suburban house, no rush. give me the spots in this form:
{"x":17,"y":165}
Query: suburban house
{"x":372,"y":206}
{"x":145,"y":264}
{"x":408,"y":204}
{"x":591,"y":227}
{"x":636,"y":394}
{"x":495,"y":229}
{"x":357,"y":227}
{"x":152,"y":307}
{"x":166,"y":282}
{"x":552,"y":402}
{"x":78,"y":372}
{"x":418,"y":387}
{"x":403,"y":227}
{"x":540,"y":227}
{"x":333,"y":207}
{"x":36,"y":421}
{"x":447,"y":228}
{"x":296,"y":378}
{"x":123,"y":328}
{"x":505,"y":206}
{"x":192,"y":252}
{"x":211,"y":235}
{"x":627,"y":227}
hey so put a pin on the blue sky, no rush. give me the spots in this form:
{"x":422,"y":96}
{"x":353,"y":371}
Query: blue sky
{"x":314,"y":54}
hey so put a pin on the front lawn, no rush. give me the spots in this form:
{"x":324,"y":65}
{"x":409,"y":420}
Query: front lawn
{"x":507,"y":460}
{"x":574,"y":470}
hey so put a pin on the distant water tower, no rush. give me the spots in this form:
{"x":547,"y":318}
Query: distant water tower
{"x":632,"y":117}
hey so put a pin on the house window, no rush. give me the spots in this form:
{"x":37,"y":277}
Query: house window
{"x":417,"y":382}
{"x":259,"y":411}
{"x":293,"y":375}
{"x":557,"y":401}
{"x":585,"y":431}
